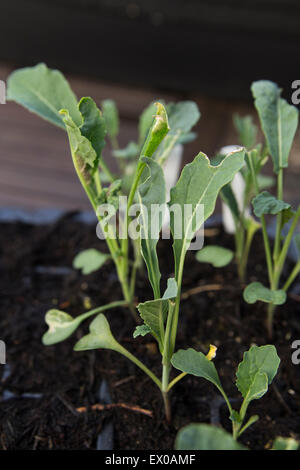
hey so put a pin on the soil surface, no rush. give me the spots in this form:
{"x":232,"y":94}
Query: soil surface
{"x":49,"y":383}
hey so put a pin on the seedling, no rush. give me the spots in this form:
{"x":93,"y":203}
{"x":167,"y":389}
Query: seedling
{"x":207,"y":437}
{"x":245,"y":225}
{"x":198,"y":188}
{"x":47,"y":93}
{"x":254,"y":375}
{"x":279,"y":122}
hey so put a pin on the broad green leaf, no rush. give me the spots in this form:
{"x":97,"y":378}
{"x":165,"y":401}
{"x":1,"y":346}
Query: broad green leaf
{"x":43,"y":91}
{"x":246,"y":129}
{"x":279,"y":121}
{"x":199,"y":184}
{"x":141,"y":330}
{"x":151,"y":192}
{"x":229,"y":198}
{"x":215,"y":255}
{"x":129,"y":152}
{"x":81,"y":148}
{"x":257,"y":291}
{"x":145,"y":121}
{"x":195,"y":363}
{"x":265,"y":181}
{"x":93,"y":127}
{"x":182,"y":117}
{"x":266,"y":203}
{"x":89,"y":260}
{"x":154,"y":312}
{"x":285,"y":443}
{"x":205,"y":437}
{"x":61,"y":326}
{"x":100,"y":336}
{"x":157,"y":131}
{"x":256,"y":371}
{"x":111,"y":117}
{"x":171,"y":290}
{"x":187,"y":138}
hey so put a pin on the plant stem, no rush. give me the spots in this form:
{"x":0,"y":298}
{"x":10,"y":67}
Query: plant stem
{"x":164,"y":391}
{"x":263,"y":225}
{"x":292,"y":276}
{"x":142,"y":366}
{"x":177,"y":379}
{"x":279,"y":216}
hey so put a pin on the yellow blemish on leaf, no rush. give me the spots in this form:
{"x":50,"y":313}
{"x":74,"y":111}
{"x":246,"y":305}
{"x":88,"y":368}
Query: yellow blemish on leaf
{"x":212,"y":352}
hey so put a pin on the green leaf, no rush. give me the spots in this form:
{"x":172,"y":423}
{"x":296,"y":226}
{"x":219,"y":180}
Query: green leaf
{"x":154,"y":312}
{"x":43,"y":91}
{"x":266,"y":203}
{"x":229,"y":198}
{"x":93,"y":127}
{"x":90,"y":260}
{"x":145,"y":121}
{"x":205,"y":437}
{"x":171,"y":290}
{"x":195,"y":363}
{"x":182,"y":117}
{"x":265,"y":181}
{"x":215,"y":255}
{"x":279,"y":121}
{"x":111,"y":117}
{"x":129,"y":152}
{"x":246,"y":129}
{"x":141,"y":330}
{"x":152,"y":191}
{"x":256,"y":371}
{"x":157,"y":131}
{"x":61,"y":326}
{"x":100,"y":336}
{"x":256,"y":291}
{"x":285,"y":443}
{"x":84,"y":156}
{"x":199,"y":183}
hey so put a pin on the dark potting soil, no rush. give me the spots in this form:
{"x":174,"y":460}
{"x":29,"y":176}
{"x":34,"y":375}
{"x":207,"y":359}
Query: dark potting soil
{"x":49,"y":383}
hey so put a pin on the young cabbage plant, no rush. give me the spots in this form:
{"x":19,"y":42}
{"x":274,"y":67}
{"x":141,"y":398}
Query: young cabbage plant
{"x":198,"y":436}
{"x":47,"y":93}
{"x":236,"y":197}
{"x":254,"y":375}
{"x":197,"y":187}
{"x":279,"y":122}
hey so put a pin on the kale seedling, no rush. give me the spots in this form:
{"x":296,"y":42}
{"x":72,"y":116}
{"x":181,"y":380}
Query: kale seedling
{"x":279,"y":122}
{"x":47,"y":93}
{"x":245,"y":225}
{"x":254,"y":375}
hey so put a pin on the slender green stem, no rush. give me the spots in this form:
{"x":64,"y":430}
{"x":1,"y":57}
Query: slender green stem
{"x":263,"y":225}
{"x":284,"y":251}
{"x":124,"y":246}
{"x":98,"y":182}
{"x":103,"y":308}
{"x":176,"y":379}
{"x":292,"y":276}
{"x":171,"y":141}
{"x":142,"y":366}
{"x":106,"y":170}
{"x":164,"y":391}
{"x":279,"y":216}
